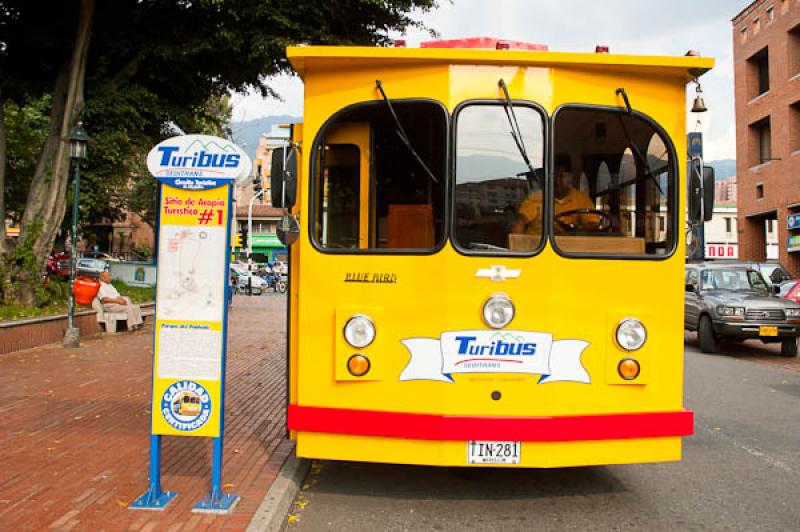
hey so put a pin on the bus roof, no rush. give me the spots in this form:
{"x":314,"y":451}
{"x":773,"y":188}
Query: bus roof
{"x":303,"y":57}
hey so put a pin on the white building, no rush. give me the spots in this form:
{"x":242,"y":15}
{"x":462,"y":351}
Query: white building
{"x":721,"y":234}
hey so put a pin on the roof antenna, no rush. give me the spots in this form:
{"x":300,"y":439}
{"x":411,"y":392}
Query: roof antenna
{"x":621,"y":91}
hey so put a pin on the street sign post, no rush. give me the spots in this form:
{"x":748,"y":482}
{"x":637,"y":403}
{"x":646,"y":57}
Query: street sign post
{"x":696,"y":236}
{"x":196,"y":175}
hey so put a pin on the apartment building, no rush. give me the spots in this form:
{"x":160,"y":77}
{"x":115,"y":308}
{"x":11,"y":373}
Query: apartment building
{"x":766,"y":52}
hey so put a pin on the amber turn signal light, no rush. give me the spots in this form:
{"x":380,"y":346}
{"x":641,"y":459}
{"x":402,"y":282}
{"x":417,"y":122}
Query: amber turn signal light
{"x":628,"y":369}
{"x":358,"y":365}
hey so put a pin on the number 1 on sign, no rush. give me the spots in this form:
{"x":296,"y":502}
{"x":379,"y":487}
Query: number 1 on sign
{"x":219,"y":216}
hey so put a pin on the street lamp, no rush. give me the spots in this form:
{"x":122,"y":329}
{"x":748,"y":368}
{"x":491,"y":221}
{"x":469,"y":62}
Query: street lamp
{"x":78,"y":139}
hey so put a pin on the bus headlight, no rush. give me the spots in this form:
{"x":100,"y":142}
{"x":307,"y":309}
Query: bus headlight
{"x":359,"y":331}
{"x":631,"y":334}
{"x":498,"y":311}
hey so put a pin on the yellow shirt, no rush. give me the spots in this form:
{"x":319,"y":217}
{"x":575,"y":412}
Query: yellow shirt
{"x":531,"y":208}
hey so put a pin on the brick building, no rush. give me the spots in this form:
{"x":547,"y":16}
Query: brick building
{"x":766,"y":52}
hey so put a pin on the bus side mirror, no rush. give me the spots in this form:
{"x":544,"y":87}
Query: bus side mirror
{"x":701,"y":192}
{"x":288,"y":230}
{"x":708,"y":193}
{"x":695,"y":192}
{"x":283,"y":177}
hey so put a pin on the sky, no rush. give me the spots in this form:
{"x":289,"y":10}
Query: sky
{"x":646,"y":27}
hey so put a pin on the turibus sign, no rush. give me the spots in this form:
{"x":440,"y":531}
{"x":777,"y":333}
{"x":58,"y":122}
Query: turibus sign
{"x":195,"y":173}
{"x":198,"y":162}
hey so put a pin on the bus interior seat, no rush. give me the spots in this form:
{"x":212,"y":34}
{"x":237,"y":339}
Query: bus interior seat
{"x":410,"y":226}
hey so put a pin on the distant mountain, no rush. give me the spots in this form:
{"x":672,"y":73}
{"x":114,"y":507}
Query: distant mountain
{"x":723,"y":169}
{"x":246,"y":133}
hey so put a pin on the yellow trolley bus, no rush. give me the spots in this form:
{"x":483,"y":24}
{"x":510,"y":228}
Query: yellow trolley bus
{"x":487,"y":255}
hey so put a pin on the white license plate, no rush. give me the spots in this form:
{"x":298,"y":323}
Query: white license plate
{"x":493,"y":452}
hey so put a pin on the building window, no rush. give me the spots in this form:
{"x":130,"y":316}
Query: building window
{"x":756,"y":26}
{"x":743,"y":34}
{"x":728,"y":225}
{"x":760,"y":191}
{"x":760,"y":142}
{"x":794,"y":51}
{"x":770,"y":226}
{"x":794,"y":126}
{"x":758,"y":66}
{"x":770,"y":14}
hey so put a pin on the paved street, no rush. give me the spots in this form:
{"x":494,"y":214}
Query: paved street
{"x":75,"y":425}
{"x":740,"y":471}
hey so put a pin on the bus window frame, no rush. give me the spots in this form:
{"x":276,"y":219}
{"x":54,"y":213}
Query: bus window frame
{"x":673,"y":196}
{"x":312,"y":181}
{"x":546,"y":163}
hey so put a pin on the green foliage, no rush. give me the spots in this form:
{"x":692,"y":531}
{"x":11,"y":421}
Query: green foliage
{"x":21,"y":265}
{"x":26,"y":125}
{"x":138,"y":294}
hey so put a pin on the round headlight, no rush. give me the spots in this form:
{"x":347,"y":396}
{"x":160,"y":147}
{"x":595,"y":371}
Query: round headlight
{"x":498,"y":311}
{"x":631,"y":334}
{"x":359,"y":331}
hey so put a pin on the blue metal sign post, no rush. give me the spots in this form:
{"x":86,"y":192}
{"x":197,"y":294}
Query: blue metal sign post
{"x":196,"y":175}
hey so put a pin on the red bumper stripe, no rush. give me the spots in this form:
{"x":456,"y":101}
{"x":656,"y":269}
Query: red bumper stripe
{"x":436,"y":427}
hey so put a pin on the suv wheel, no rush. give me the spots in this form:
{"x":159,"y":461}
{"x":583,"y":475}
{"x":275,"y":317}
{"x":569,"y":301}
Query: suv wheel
{"x":789,"y":347}
{"x":709,"y":343}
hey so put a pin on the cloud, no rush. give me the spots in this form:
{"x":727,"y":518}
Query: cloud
{"x":642,"y":27}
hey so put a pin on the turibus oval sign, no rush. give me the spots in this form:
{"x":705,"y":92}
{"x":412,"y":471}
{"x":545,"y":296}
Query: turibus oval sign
{"x":198,"y":162}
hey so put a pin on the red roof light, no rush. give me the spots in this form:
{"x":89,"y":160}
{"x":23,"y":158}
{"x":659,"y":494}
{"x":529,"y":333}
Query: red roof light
{"x":488,"y":43}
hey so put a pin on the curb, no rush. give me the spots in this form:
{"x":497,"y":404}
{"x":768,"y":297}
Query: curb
{"x":271,"y":513}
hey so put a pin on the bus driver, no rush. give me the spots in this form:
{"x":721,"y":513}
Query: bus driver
{"x":567,"y":198}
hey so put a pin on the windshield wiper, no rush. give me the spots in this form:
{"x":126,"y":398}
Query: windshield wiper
{"x":402,"y":133}
{"x":516,"y":134}
{"x":636,"y":152}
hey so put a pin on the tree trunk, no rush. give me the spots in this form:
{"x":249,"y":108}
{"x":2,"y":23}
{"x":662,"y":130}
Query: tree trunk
{"x":46,"y":203}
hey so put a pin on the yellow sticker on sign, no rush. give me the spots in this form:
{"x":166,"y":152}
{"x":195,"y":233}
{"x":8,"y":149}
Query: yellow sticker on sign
{"x":190,"y":311}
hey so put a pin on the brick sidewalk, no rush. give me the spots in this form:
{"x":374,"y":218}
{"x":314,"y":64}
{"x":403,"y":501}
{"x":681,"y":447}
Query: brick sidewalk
{"x":75,"y":426}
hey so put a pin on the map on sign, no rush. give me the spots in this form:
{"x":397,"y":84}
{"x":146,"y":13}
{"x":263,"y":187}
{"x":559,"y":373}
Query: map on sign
{"x":191,"y":273}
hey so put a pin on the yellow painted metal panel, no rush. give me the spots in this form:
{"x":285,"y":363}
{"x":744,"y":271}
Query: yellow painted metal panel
{"x":569,"y":298}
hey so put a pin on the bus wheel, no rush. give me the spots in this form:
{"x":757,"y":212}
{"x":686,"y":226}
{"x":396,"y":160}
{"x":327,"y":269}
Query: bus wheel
{"x":708,"y":340}
{"x":280,"y":286}
{"x":789,"y":347}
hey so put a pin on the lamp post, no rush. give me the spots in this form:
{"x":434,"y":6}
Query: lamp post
{"x":78,"y":139}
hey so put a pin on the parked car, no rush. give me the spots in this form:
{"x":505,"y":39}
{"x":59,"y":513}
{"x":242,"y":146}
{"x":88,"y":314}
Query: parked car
{"x":58,"y":264}
{"x":790,"y":290}
{"x":245,"y":281}
{"x":100,"y":255}
{"x":90,"y":267}
{"x":772,"y":272}
{"x":735,"y":302}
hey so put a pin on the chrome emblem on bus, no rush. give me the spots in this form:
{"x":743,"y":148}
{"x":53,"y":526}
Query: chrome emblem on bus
{"x":497,"y":273}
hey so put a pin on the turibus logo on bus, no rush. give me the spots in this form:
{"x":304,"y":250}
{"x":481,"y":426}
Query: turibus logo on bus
{"x":487,"y":254}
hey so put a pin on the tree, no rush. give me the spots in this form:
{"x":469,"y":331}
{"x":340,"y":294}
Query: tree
{"x":172,"y":55}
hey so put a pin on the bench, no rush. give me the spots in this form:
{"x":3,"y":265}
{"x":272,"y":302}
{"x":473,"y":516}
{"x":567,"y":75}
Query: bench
{"x":109,"y":319}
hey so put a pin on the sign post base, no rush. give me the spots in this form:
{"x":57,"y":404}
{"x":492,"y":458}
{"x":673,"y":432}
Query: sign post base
{"x":217,"y":502}
{"x":153,"y":499}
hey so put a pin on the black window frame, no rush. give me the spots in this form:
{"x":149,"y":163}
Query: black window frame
{"x":330,"y":121}
{"x":672,"y":197}
{"x":545,"y":166}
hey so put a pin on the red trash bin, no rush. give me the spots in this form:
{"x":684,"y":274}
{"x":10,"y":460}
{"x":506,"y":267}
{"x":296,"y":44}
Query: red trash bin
{"x":84,"y":289}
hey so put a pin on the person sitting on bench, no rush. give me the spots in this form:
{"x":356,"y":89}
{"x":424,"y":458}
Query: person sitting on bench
{"x":113,"y":302}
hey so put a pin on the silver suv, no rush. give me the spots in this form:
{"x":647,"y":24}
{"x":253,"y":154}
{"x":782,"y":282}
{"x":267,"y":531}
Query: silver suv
{"x":733,"y":301}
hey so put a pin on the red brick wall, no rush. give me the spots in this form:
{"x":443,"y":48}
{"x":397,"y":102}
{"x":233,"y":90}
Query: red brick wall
{"x":781,"y":178}
{"x":29,"y":335}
